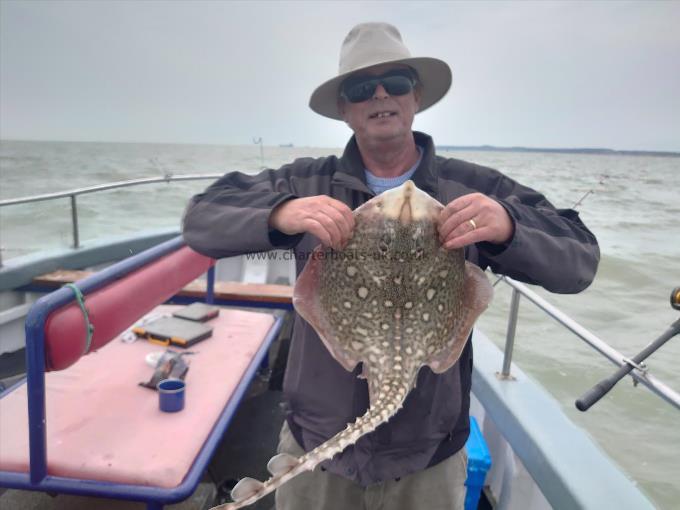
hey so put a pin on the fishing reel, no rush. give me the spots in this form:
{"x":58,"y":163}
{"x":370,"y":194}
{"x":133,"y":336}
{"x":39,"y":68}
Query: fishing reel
{"x":675,"y":298}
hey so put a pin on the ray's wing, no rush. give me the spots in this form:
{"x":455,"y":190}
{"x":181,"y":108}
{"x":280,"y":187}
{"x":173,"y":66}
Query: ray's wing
{"x":477,"y":294}
{"x":307,"y":302}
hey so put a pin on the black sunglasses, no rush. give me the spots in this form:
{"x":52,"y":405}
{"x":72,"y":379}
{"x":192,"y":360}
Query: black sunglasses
{"x":398,"y":82}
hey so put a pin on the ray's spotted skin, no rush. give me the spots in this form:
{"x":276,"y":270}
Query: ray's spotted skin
{"x":394,"y":300}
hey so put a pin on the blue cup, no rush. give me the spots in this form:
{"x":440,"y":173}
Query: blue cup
{"x":171,"y":395}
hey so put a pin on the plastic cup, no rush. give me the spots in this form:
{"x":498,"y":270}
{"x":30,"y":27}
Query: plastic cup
{"x":171,"y":395}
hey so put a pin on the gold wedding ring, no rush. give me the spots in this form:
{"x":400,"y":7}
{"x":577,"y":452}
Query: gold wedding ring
{"x":472,"y":224}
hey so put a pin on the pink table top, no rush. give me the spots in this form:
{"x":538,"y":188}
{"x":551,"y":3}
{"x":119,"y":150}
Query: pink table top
{"x":101,"y":425}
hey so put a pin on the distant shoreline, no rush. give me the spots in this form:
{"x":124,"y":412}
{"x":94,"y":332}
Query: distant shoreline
{"x":450,"y":148}
{"x":596,"y":151}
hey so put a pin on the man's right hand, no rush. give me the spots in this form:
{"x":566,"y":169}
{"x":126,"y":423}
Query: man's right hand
{"x":330,"y":220}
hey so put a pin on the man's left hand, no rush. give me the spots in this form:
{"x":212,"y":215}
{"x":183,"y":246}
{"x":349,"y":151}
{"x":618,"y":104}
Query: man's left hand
{"x":472,"y":219}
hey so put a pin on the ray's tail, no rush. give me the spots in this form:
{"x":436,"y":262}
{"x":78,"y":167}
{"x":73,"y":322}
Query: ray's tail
{"x":284,"y":467}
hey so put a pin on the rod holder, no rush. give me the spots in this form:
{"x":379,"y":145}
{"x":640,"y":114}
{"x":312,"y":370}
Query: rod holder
{"x":598,"y":391}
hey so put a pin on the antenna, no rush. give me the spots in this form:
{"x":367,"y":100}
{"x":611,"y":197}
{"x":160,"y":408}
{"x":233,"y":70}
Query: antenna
{"x":259,"y":141}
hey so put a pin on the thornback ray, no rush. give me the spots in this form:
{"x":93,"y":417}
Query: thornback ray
{"x":393,"y":300}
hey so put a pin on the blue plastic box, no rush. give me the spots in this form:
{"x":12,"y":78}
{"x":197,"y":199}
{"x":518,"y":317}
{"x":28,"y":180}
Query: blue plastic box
{"x":479,"y":462}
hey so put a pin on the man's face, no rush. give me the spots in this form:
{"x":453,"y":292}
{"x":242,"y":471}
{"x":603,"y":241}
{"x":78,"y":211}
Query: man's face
{"x":382,"y":117}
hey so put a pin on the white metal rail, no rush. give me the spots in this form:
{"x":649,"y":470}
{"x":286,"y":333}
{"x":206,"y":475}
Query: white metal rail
{"x":72,"y":194}
{"x":642,"y":376}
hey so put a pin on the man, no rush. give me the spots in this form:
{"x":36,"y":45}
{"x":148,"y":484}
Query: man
{"x":416,"y":460}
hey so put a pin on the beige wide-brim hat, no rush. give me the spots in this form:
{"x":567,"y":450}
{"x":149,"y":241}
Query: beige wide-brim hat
{"x":372,"y":44}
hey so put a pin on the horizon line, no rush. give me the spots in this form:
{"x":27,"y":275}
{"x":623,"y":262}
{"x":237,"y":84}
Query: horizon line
{"x":445,"y":147}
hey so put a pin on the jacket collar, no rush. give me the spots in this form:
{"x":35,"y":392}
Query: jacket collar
{"x":350,"y":172}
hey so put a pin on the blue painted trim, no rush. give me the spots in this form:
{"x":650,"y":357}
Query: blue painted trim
{"x":183,"y":300}
{"x":35,"y":381}
{"x":254,"y":304}
{"x":194,"y":475}
{"x":40,"y":481}
{"x":210,"y":286}
{"x":35,"y":345}
{"x":571,"y":471}
{"x":78,"y":487}
{"x":37,"y":478}
{"x":127,"y":266}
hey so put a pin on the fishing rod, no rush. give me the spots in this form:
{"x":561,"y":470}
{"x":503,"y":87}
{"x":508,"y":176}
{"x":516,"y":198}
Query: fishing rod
{"x":601,"y":182}
{"x":598,"y":391}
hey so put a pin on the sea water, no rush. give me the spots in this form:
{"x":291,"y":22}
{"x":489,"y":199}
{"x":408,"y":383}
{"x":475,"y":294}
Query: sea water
{"x":631,"y":203}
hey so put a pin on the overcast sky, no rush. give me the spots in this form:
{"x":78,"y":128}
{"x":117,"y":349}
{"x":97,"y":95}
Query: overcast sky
{"x":542,"y":74}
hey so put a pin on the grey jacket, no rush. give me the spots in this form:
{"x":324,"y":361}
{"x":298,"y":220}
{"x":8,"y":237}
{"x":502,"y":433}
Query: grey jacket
{"x":550,"y":247}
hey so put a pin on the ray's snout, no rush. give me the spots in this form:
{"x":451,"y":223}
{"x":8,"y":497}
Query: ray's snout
{"x":407,"y":203}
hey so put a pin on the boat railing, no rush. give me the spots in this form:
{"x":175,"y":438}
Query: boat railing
{"x":74,"y":193}
{"x":637,"y":370}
